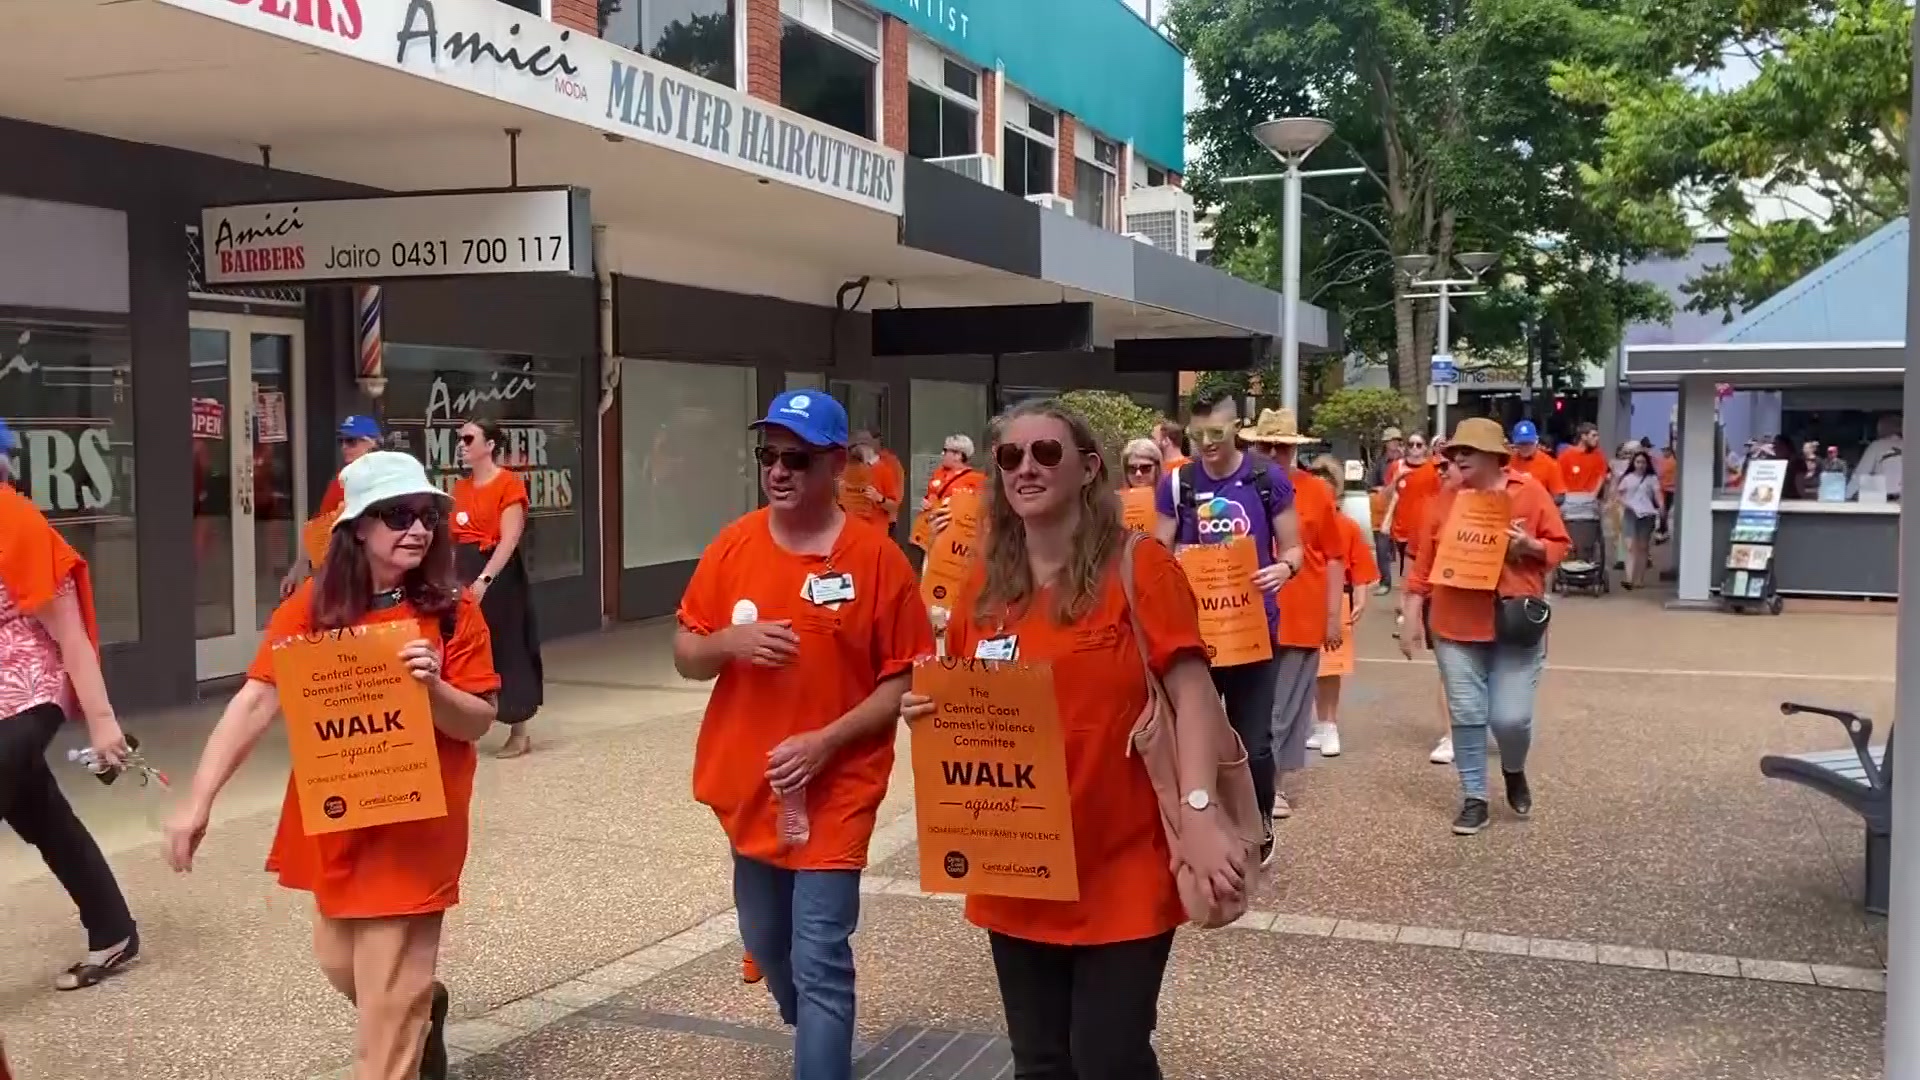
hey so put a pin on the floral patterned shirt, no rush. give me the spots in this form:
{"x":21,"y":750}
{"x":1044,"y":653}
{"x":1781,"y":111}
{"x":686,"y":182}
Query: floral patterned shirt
{"x":31,"y":671}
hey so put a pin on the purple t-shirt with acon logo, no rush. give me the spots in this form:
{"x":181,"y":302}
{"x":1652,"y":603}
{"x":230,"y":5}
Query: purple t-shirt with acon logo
{"x":1219,"y":510}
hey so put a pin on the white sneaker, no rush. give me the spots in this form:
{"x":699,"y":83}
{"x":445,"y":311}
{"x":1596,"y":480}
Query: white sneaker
{"x":1443,"y":752}
{"x":1330,"y":742}
{"x":1319,"y":735}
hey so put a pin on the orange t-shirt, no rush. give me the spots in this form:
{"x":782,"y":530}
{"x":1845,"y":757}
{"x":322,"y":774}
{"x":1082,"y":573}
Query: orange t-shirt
{"x":1173,"y":463}
{"x":408,"y":868}
{"x":1467,"y":614}
{"x":1416,"y":486}
{"x":844,"y":654}
{"x":1127,"y":891}
{"x":36,"y":562}
{"x":478,"y":508}
{"x":886,"y":476}
{"x":1541,"y":466}
{"x":334,"y":498}
{"x":1303,"y":599}
{"x":1584,"y":471}
{"x":948,"y":481}
{"x":1361,"y":568}
{"x":1669,"y":473}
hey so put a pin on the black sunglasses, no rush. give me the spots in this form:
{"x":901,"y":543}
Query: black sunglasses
{"x":791,"y":460}
{"x":400,"y":516}
{"x":466,"y":439}
{"x":1140,"y":466}
{"x":1047,"y":453}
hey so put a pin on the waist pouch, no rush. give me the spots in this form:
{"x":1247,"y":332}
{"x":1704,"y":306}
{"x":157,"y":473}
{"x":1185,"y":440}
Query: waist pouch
{"x":1521,"y":621}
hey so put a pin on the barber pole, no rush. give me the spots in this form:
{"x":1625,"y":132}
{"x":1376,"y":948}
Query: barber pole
{"x":371,"y":373}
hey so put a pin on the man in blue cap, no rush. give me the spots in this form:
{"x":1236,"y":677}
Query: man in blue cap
{"x":808,"y":626}
{"x":1528,"y":459}
{"x":358,"y":434}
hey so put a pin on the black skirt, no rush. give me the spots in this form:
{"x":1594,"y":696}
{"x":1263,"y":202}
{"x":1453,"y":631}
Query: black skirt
{"x":508,"y":608}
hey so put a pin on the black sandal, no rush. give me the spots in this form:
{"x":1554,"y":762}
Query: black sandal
{"x":433,"y":1058}
{"x":85,"y":973}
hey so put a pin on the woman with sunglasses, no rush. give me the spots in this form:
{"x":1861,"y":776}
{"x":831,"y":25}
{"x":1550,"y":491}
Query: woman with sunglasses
{"x":1141,"y":462}
{"x":49,"y":644}
{"x":1080,"y":980}
{"x":489,"y":524}
{"x":381,"y":892}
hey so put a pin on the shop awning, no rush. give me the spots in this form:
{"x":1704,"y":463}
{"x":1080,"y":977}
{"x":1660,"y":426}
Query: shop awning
{"x":1843,"y":324}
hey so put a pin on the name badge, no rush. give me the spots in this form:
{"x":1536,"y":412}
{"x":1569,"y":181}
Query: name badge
{"x":997,"y":648}
{"x":835,"y":589}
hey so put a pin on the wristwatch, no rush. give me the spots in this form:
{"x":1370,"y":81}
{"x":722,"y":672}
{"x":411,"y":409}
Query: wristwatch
{"x":1199,"y":799}
{"x":485,"y":579}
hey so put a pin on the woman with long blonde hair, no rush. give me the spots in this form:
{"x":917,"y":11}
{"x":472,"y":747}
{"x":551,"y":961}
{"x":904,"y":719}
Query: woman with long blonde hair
{"x":1080,"y":980}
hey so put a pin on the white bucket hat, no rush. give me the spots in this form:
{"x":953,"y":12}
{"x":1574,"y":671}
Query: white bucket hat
{"x":379,"y":475}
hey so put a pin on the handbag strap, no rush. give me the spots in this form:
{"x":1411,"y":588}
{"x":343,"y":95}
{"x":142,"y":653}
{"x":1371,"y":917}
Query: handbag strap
{"x":1133,"y":617}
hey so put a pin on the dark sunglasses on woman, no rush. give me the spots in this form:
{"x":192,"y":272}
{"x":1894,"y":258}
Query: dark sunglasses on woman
{"x":400,"y":516}
{"x":1047,"y":453}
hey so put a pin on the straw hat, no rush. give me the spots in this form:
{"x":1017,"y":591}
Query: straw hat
{"x":1479,"y":433}
{"x":1276,"y":426}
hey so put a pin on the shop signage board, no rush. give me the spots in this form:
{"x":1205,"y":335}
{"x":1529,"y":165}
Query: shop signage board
{"x":489,"y":48}
{"x":456,"y":234}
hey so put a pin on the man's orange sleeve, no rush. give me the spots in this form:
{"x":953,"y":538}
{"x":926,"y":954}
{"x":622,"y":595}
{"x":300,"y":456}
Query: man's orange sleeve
{"x":905,"y":633}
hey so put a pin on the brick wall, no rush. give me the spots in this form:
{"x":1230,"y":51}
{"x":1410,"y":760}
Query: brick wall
{"x":763,"y":49}
{"x":893,"y":83}
{"x":989,"y":116}
{"x":1064,"y":186}
{"x":580,"y":15}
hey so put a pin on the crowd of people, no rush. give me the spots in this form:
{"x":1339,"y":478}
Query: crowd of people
{"x":808,"y":619}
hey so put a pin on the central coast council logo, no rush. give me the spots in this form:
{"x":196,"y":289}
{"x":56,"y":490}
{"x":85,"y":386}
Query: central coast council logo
{"x":1221,"y":520}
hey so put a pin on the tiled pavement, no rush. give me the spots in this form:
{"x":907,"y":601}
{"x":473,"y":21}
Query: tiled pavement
{"x":1666,"y":913}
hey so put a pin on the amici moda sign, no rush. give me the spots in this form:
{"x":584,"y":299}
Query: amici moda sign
{"x":488,"y":48}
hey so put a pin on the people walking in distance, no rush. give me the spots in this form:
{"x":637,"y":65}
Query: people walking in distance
{"x":1489,"y":642}
{"x":1080,"y":980}
{"x":1382,"y":475}
{"x":380,"y":892}
{"x":1141,"y":464}
{"x":1360,"y":573}
{"x":1222,"y":495}
{"x":357,"y":434}
{"x":876,"y":482}
{"x":1310,"y":618}
{"x":1641,"y":505}
{"x":489,"y":530}
{"x":1528,"y":458}
{"x":955,"y":476}
{"x":49,"y":651}
{"x":1171,"y":438}
{"x":1585,"y":471}
{"x":808,"y":626}
{"x":1413,"y":490}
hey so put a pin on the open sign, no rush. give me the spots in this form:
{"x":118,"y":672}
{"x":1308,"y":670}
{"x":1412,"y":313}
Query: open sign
{"x":209,"y":419}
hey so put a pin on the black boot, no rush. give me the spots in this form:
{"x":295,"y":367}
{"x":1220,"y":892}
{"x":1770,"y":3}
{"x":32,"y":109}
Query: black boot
{"x":1519,"y":795}
{"x":1473,"y":818}
{"x":433,"y":1060}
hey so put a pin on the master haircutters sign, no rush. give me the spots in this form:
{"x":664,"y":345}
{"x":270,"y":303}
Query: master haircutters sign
{"x":460,"y":234}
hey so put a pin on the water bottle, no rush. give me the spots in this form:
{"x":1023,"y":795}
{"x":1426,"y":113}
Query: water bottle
{"x":794,"y":827}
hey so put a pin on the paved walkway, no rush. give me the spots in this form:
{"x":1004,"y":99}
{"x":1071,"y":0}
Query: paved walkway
{"x":1666,"y":913}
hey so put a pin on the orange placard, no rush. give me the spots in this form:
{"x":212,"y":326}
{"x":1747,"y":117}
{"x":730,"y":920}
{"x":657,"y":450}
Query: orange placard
{"x":990,"y":782}
{"x":1340,"y":661}
{"x":1233,"y":615}
{"x":315,"y":535}
{"x":854,"y":482}
{"x":1136,"y":509}
{"x":1473,"y":542}
{"x":950,"y":559}
{"x":922,"y":531}
{"x":359,"y":728}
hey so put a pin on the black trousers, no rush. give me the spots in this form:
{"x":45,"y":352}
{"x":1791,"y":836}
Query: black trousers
{"x":1247,"y":692}
{"x":31,"y":802}
{"x":1082,"y":1012}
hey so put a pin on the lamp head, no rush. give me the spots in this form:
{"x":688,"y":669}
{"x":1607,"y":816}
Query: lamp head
{"x":1414,"y":265}
{"x":1476,"y":262}
{"x":1292,"y":138}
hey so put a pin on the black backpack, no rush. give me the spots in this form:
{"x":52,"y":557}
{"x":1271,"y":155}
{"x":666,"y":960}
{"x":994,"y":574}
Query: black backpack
{"x":1185,"y":501}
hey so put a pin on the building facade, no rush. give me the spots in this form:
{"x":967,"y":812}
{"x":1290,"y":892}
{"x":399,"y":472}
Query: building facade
{"x":618,"y":227}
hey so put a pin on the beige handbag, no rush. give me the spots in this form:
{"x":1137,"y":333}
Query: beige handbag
{"x":1153,"y":741}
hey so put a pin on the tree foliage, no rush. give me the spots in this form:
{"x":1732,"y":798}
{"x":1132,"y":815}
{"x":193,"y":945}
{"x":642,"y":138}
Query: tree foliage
{"x":1791,"y":165}
{"x":1114,"y":417}
{"x":1446,"y":103}
{"x":1357,"y":414}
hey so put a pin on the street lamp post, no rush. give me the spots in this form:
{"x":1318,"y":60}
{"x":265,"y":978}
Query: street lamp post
{"x":1291,"y":139}
{"x":1475,"y":263}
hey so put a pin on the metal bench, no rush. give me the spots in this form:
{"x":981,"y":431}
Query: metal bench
{"x":1859,"y":778}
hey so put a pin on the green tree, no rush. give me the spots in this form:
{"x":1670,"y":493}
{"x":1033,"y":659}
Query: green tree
{"x":1357,"y":414}
{"x":1114,"y":417}
{"x":1792,"y":165}
{"x":1447,"y":105}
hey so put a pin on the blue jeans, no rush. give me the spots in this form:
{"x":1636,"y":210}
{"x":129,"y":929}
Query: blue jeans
{"x":1488,"y":686}
{"x":798,"y":925}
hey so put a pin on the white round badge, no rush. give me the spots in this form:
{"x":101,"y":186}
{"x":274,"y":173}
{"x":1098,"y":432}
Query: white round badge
{"x":799,"y":402}
{"x":460,"y":518}
{"x":744,"y":612}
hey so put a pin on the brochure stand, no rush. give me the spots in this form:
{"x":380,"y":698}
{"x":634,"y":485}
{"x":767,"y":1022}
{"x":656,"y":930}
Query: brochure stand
{"x":1748,"y":584}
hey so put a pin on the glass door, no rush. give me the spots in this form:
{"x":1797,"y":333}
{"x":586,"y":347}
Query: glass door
{"x":249,"y":479}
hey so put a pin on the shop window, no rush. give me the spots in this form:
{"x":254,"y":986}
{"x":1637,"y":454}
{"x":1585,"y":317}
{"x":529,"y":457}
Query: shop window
{"x":693,"y":35}
{"x":432,"y":391}
{"x":1028,"y":169}
{"x":66,"y":390}
{"x":936,"y":410}
{"x":685,"y":453}
{"x":832,"y":75}
{"x":943,"y":107}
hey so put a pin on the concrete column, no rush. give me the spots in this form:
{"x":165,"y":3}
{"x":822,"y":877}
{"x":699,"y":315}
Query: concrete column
{"x":1699,"y":471}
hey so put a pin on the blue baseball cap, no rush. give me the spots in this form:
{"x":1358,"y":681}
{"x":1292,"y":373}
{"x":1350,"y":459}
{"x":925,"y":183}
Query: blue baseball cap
{"x":1525,"y":433}
{"x":359,"y":426}
{"x":8,"y":440}
{"x":811,"y":415}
